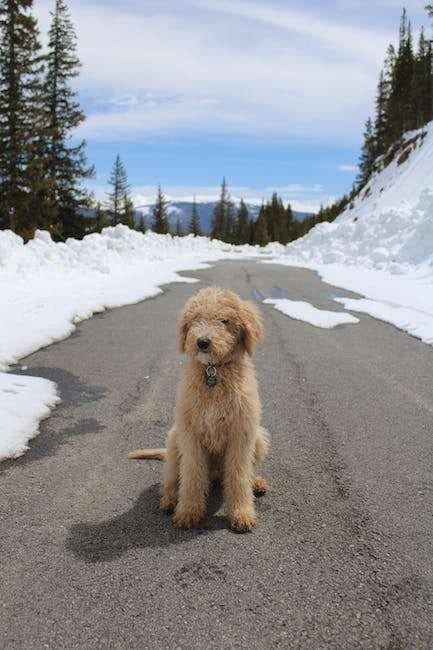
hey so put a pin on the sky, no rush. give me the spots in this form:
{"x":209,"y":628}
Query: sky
{"x":271,"y":94}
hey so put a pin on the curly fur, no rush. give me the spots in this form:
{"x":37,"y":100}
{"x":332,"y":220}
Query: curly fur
{"x":216,"y":432}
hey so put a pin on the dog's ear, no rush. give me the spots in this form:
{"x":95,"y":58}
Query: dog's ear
{"x":252,"y":327}
{"x":182,"y":329}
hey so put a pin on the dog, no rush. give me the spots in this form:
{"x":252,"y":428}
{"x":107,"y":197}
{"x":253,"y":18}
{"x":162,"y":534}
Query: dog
{"x":216,"y":433}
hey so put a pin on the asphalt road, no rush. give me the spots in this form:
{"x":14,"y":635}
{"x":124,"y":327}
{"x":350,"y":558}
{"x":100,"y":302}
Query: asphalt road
{"x":343,"y":553}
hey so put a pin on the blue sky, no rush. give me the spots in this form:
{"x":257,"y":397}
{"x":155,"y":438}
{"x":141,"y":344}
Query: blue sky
{"x":272,"y":94}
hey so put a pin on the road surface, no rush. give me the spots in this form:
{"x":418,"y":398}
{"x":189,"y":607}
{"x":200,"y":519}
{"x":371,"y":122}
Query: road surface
{"x":343,"y":553}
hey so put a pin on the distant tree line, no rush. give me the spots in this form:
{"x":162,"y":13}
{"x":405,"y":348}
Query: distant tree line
{"x":234,"y":225}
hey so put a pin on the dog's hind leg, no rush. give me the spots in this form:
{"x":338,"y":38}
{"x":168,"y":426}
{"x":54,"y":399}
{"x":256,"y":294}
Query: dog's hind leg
{"x":260,"y":485}
{"x":170,"y":483}
{"x":261,"y":445}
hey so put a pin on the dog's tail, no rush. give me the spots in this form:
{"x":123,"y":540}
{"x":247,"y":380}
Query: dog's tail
{"x":141,"y":454}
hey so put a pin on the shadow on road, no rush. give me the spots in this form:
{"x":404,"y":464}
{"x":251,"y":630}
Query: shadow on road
{"x":144,"y":525}
{"x":52,"y":438}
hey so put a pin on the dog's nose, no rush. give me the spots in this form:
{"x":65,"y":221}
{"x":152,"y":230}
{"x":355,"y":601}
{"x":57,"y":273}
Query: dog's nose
{"x":203,"y":344}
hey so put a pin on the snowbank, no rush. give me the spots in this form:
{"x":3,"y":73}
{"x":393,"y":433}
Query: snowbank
{"x":24,"y":402}
{"x":382,"y":247}
{"x":46,"y":288}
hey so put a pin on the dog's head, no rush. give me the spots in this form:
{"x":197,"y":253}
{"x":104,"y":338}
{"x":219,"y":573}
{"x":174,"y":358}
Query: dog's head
{"x":215,"y":325}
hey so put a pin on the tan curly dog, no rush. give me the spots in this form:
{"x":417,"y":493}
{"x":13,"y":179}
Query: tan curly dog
{"x":216,"y":432}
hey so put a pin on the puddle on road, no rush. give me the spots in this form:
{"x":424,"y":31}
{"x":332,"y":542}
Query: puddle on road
{"x":257,"y":295}
{"x":279,"y":293}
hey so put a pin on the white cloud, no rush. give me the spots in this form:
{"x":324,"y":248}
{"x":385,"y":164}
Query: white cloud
{"x":348,"y":168}
{"x":219,"y":67}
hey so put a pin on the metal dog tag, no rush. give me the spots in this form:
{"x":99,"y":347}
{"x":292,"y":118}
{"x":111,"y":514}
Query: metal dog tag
{"x":211,"y":378}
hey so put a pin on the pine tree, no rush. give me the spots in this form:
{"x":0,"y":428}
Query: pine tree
{"x":120,"y":192}
{"x":261,"y":234}
{"x":142,"y":224}
{"x":160,"y":215}
{"x":223,"y":220}
{"x":127,"y":216}
{"x":194,"y":224}
{"x":100,"y":218}
{"x":290,"y":224}
{"x":381,"y":125}
{"x":367,"y":158}
{"x":67,"y":163}
{"x":401,"y":113}
{"x":252,"y":226}
{"x":422,"y":82}
{"x":21,"y":119}
{"x":242,"y":224}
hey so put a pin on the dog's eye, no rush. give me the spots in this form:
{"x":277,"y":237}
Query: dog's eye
{"x":225,"y":322}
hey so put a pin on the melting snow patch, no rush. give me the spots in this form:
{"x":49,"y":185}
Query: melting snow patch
{"x":304,"y":311}
{"x":24,"y":402}
{"x":416,"y":322}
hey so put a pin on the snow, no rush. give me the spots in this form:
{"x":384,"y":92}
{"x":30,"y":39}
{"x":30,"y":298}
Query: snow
{"x":24,"y":401}
{"x":381,"y":247}
{"x":304,"y":311}
{"x":46,"y":288}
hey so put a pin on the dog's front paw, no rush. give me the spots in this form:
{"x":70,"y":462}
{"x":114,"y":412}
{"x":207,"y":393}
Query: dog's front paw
{"x":168,"y":502}
{"x":242,"y":521}
{"x":188,"y":518}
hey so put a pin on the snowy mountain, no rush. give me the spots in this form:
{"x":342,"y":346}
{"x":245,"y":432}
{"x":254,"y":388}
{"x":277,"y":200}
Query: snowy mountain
{"x":182,"y":210}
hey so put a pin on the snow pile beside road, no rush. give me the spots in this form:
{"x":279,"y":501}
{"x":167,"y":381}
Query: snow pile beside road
{"x":382,"y":247}
{"x":46,"y":288}
{"x":24,"y":402}
{"x":395,"y":240}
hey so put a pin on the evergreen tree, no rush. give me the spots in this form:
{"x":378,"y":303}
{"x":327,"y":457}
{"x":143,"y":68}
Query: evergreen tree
{"x":422,"y":82}
{"x":21,"y":118}
{"x":223,"y":221}
{"x":194,"y":224}
{"x":142,"y":224}
{"x":261,"y":234}
{"x":367,"y":158}
{"x":278,"y":226}
{"x":290,"y":224}
{"x":160,"y":216}
{"x":127,"y":216}
{"x":67,"y":163}
{"x":401,"y":111}
{"x":101,"y":221}
{"x":120,"y":192}
{"x":242,"y":224}
{"x":381,"y":122}
{"x":251,"y":239}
